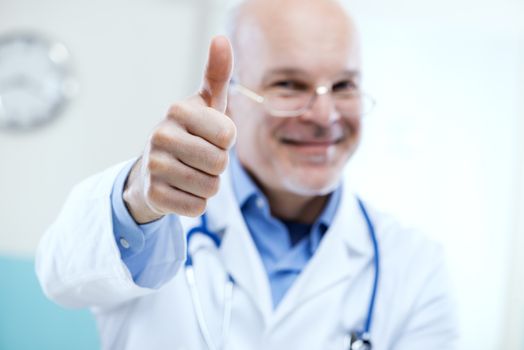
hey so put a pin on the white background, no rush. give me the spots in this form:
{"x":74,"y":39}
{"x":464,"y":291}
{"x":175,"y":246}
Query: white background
{"x":443,"y":150}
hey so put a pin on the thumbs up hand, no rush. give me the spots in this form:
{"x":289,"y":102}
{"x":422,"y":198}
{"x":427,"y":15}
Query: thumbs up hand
{"x":185,"y":154}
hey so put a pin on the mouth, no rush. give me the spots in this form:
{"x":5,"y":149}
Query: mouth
{"x":298,"y":134}
{"x":310,"y":143}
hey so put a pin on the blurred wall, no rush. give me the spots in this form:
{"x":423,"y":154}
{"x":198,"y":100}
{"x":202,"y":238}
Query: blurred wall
{"x":132,"y":58}
{"x":514,"y":325}
{"x":441,"y":152}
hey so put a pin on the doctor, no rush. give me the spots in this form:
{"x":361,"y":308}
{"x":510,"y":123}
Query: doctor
{"x":285,"y":256}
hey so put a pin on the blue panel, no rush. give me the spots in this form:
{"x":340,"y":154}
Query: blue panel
{"x":29,"y":321}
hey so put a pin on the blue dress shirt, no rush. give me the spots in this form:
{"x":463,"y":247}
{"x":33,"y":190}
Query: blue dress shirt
{"x":285,"y":247}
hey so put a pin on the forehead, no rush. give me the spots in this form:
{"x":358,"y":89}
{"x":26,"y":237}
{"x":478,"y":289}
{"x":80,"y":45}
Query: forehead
{"x":313,"y":38}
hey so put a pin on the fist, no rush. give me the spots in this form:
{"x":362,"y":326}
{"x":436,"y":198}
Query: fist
{"x":185,"y":154}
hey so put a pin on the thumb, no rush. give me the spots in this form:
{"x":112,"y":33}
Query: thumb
{"x":217,"y":74}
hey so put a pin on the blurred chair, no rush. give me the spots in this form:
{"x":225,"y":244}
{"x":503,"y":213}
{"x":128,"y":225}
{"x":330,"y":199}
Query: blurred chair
{"x":29,"y":321}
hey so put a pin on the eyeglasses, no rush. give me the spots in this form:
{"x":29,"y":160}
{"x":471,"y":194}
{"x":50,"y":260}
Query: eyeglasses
{"x":289,"y":99}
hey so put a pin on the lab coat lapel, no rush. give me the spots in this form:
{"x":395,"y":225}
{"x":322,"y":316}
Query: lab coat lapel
{"x":343,"y":252}
{"x":239,"y":253}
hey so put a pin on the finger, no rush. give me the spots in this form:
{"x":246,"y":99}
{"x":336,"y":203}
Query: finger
{"x":191,"y":150}
{"x":205,"y":122}
{"x":217,"y":73}
{"x":201,"y":155}
{"x":185,"y":178}
{"x":167,"y":199}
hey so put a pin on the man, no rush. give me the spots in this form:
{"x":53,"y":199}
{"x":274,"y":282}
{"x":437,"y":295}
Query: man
{"x":294,"y":265}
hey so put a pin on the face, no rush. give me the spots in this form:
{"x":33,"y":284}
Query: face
{"x":303,"y":47}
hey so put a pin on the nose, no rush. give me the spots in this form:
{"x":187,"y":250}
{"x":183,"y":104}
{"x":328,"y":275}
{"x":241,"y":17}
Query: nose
{"x":322,"y":109}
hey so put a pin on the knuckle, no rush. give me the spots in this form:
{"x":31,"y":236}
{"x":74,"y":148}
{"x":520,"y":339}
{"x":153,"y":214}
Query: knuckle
{"x":211,"y":185}
{"x":178,"y":112}
{"x":218,"y":162}
{"x":154,"y":165}
{"x":160,"y":138}
{"x":214,"y":185}
{"x":224,"y":137}
{"x":175,"y":111}
{"x":226,"y":134}
{"x":194,"y":207}
{"x":232,"y":131}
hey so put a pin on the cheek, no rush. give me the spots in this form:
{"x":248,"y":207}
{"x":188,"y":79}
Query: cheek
{"x":260,"y":141}
{"x":253,"y":137}
{"x":353,"y":126}
{"x":355,"y":130}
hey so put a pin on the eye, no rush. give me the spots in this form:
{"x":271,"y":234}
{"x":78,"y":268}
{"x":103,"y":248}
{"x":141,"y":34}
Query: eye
{"x":291,"y":85}
{"x":345,"y":85}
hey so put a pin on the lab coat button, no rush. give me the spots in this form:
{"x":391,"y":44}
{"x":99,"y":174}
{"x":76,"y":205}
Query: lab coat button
{"x":124,"y":243}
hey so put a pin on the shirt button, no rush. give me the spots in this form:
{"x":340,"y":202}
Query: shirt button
{"x":124,"y":243}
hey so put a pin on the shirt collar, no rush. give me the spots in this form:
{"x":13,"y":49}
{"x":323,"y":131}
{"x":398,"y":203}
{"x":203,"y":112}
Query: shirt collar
{"x":245,"y":190}
{"x":327,"y":216}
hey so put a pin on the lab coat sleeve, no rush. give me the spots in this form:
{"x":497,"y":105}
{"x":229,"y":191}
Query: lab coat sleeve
{"x":78,"y":262}
{"x":432,"y":322}
{"x":151,"y":252}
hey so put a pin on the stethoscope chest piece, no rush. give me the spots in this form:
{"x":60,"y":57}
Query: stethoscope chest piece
{"x":359,"y":342}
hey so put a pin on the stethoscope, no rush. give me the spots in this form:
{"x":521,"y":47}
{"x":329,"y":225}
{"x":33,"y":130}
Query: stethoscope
{"x":357,"y":340}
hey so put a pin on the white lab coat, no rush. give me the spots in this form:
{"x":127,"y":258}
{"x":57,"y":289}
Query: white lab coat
{"x":78,"y":264}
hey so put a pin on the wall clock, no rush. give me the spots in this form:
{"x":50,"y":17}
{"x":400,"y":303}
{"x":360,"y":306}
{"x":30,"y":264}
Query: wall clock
{"x":36,"y":80}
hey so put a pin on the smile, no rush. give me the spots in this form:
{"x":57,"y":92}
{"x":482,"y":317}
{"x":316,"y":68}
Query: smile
{"x":311,"y":143}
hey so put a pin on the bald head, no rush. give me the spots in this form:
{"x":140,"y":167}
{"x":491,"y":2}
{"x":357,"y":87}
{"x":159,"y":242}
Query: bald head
{"x":296,"y":28}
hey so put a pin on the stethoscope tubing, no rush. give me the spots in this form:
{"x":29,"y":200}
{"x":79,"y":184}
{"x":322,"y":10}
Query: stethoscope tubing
{"x":363,"y":336}
{"x":376,"y":264}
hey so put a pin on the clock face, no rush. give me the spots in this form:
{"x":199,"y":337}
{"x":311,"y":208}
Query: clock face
{"x":35,"y":80}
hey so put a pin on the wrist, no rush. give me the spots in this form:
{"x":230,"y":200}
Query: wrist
{"x":134,"y":198}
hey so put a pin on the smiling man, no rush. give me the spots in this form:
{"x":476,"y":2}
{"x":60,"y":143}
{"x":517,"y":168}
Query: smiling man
{"x":207,"y":243}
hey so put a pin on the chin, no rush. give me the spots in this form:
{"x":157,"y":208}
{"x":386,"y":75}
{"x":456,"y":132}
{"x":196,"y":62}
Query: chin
{"x":312,"y":185}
